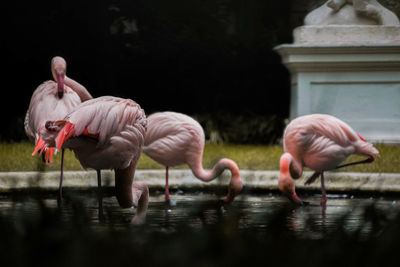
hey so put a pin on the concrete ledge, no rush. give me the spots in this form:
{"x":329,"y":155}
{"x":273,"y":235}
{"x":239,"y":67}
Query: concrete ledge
{"x":184,"y":179}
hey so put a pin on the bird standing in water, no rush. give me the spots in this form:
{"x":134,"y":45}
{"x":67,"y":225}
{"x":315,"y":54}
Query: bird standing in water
{"x":320,"y":142}
{"x":53,"y":100}
{"x":106,"y":133}
{"x":174,"y":138}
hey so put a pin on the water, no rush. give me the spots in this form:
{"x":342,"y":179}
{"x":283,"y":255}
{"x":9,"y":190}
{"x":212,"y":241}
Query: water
{"x":198,"y":210}
{"x":199,"y":230}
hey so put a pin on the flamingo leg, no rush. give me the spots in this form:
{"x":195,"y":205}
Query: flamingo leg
{"x":100,"y":195}
{"x":166,"y":185}
{"x":98,"y":179}
{"x":323,"y":191}
{"x":367,"y":160}
{"x":61,"y":176}
{"x":313,"y":178}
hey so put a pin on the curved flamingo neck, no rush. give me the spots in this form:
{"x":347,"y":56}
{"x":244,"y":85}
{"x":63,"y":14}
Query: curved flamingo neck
{"x":289,"y":169}
{"x":131,"y":194}
{"x":58,"y":68}
{"x":123,"y":185}
{"x":209,"y":175}
{"x":235,"y":185}
{"x":289,"y":165}
{"x":82,"y":92}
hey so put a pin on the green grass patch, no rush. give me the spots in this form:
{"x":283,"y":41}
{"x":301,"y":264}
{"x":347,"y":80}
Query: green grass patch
{"x":17,"y":157}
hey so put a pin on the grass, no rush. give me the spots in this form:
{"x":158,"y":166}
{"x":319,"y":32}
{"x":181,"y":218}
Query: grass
{"x":17,"y":157}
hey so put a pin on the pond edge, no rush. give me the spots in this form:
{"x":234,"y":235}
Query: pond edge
{"x":184,"y":179}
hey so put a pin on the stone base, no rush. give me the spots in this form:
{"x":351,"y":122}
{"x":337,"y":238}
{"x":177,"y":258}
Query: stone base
{"x":347,"y":34}
{"x":359,"y":84}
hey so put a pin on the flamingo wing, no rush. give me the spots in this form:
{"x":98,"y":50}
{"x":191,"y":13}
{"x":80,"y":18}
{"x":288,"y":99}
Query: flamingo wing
{"x":46,"y":105}
{"x":171,"y":137}
{"x":105,"y":117}
{"x":116,"y":128}
{"x":320,"y":141}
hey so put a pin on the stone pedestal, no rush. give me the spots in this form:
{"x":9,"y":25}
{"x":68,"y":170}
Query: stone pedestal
{"x":359,"y":84}
{"x":346,"y":62}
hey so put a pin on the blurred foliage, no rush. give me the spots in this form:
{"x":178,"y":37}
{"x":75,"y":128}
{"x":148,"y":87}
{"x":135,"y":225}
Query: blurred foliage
{"x":245,"y":128}
{"x":191,"y":56}
{"x":219,"y":127}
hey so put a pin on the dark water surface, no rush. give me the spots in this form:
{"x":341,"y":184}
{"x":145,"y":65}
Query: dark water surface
{"x":194,"y":224}
{"x":197,"y":210}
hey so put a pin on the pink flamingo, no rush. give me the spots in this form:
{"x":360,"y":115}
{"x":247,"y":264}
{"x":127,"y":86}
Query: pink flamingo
{"x":106,"y":133}
{"x":320,"y":142}
{"x":173,"y":139}
{"x":52,"y":101}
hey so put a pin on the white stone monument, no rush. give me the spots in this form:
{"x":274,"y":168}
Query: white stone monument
{"x":345,"y":61}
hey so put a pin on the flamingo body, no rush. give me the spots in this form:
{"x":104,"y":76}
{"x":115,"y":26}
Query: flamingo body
{"x":320,"y":142}
{"x":47,"y":105}
{"x":106,"y":133}
{"x":174,"y":138}
{"x":52,"y":100}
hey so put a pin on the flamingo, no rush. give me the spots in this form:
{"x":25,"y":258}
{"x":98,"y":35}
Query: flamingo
{"x":52,"y":101}
{"x":106,"y":133}
{"x":320,"y":142}
{"x":174,"y":138}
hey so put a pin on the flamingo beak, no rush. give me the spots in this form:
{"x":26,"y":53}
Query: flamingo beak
{"x":230,"y":196}
{"x":60,"y":85}
{"x":295,"y":199}
{"x":235,"y":187}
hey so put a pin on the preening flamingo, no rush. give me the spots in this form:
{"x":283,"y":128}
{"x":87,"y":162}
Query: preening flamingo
{"x":52,"y":101}
{"x":320,"y":142}
{"x":173,"y":139}
{"x":106,"y":133}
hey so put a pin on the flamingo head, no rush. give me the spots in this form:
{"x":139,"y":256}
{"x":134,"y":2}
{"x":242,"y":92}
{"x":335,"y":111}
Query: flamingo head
{"x":54,"y":126}
{"x":286,"y":182}
{"x":58,"y":69}
{"x":235,"y":186}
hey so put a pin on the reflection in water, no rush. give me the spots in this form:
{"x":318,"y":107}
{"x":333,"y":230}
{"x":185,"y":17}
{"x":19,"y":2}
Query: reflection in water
{"x":198,"y":211}
{"x":85,"y":232}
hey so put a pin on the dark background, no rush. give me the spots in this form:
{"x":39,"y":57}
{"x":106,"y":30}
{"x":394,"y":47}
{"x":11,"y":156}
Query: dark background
{"x":211,"y":59}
